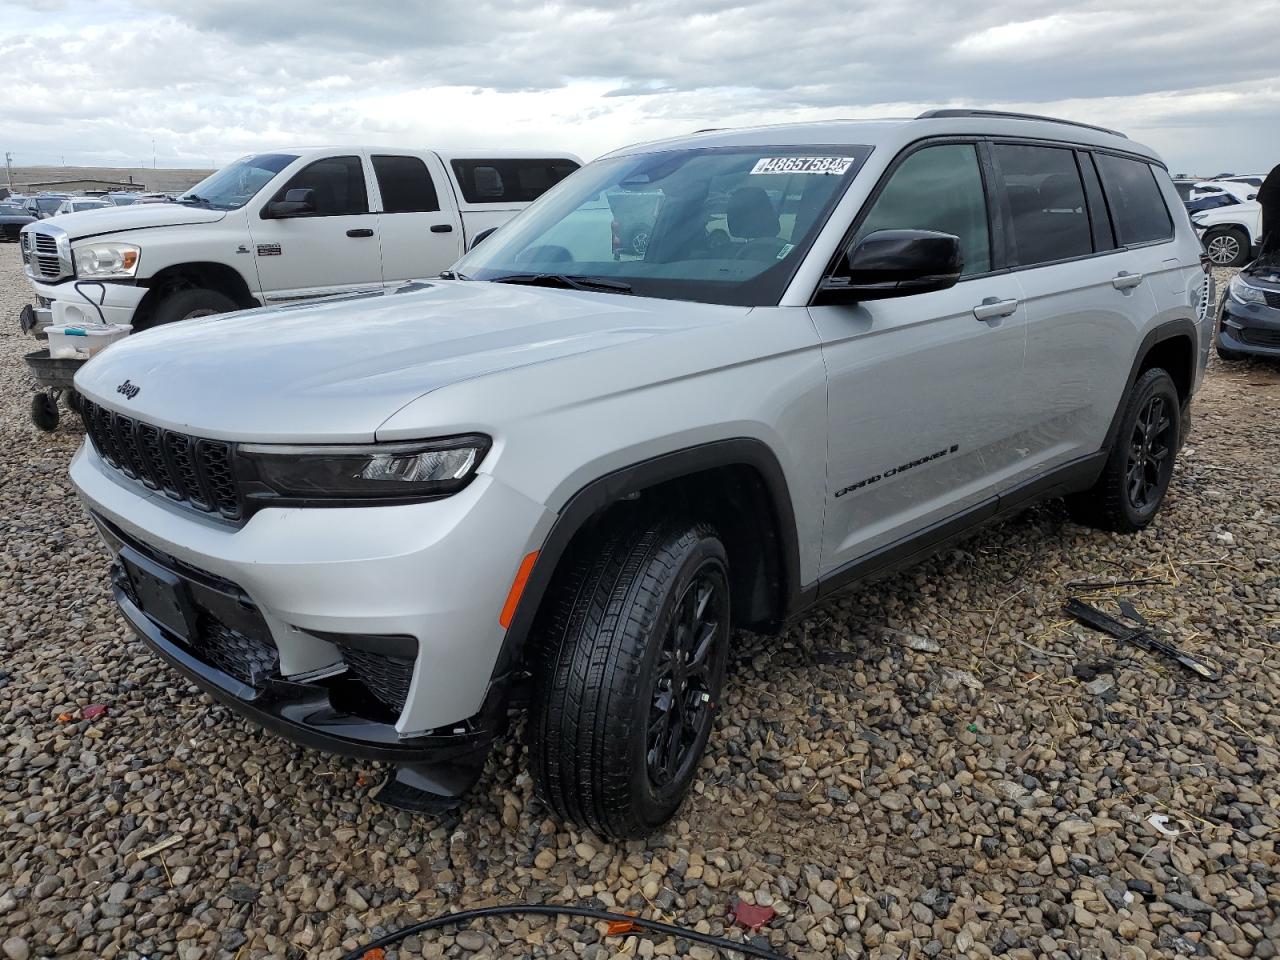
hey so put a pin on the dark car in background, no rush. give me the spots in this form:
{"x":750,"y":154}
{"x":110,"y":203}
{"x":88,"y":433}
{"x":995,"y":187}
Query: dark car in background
{"x":1249,"y":315}
{"x":13,"y":217}
{"x":45,"y":205}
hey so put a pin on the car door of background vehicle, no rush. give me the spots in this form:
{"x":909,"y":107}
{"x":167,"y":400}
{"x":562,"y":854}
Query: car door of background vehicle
{"x":332,"y":250}
{"x":1086,"y":298}
{"x":922,"y":416}
{"x":419,"y":227}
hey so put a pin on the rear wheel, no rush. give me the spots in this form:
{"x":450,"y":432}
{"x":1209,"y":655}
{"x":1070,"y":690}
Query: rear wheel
{"x":190,"y":304}
{"x":1227,"y":247}
{"x":628,"y":676}
{"x":1140,"y":465}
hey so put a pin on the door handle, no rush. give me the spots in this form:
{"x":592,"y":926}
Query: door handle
{"x":993,"y":308}
{"x":1125,"y":280}
{"x":442,"y":228}
{"x":360,"y":232}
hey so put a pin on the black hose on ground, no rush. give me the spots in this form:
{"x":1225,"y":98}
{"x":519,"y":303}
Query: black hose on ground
{"x":553,"y":910}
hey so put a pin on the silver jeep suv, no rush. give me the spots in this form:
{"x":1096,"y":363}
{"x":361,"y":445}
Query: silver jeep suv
{"x":700,"y":384}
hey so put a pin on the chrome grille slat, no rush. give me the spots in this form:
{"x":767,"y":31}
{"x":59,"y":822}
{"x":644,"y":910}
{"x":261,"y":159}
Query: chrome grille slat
{"x":190,"y":470}
{"x":49,"y":256}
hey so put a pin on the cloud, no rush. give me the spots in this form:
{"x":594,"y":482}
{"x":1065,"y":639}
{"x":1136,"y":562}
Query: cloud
{"x":218,"y":78}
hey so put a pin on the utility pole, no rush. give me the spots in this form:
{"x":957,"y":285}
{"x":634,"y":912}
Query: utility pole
{"x":8,"y":168}
{"x":153,"y":153}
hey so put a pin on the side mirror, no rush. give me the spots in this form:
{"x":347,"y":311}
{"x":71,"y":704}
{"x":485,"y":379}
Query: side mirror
{"x":1252,"y":196}
{"x":298,"y":202}
{"x":894,"y":263}
{"x":481,"y":237}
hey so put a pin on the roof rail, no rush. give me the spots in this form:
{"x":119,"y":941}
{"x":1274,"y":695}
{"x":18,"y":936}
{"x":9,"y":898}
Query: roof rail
{"x":1006,"y":115}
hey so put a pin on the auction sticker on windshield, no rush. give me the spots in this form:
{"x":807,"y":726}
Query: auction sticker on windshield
{"x":835,"y":166}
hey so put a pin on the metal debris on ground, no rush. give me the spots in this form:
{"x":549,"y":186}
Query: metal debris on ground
{"x":1092,"y":617}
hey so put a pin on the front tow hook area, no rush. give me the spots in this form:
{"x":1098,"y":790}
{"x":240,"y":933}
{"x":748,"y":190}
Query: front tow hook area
{"x":431,"y":788}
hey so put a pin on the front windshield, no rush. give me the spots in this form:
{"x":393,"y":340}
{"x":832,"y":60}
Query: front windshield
{"x":715,"y":225}
{"x":49,"y":204}
{"x":237,"y":183}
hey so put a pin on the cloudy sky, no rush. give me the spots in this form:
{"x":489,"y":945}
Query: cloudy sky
{"x":210,"y":80}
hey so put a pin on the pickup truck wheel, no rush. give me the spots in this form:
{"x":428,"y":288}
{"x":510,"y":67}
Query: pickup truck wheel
{"x":1140,"y":465}
{"x":190,"y":304}
{"x":1227,"y":247}
{"x":628,"y":674}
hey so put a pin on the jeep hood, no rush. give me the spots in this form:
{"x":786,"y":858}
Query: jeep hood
{"x":138,"y":216}
{"x":335,"y":370}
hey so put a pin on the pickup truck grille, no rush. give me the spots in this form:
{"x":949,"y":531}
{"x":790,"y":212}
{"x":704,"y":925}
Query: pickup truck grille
{"x":187,"y":469}
{"x":45,"y":260}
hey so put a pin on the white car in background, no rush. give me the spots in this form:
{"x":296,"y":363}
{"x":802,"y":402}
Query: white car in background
{"x":79,"y":205}
{"x":1231,"y":232}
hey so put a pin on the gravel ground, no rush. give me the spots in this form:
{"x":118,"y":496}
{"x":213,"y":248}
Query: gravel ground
{"x":934,"y":766}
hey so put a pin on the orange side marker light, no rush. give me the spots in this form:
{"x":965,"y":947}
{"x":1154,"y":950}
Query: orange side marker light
{"x":517,"y":588}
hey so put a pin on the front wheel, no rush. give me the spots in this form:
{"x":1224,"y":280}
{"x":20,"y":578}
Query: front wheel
{"x":190,"y":304}
{"x":1138,"y":470}
{"x":1227,"y":247}
{"x":628,"y":675}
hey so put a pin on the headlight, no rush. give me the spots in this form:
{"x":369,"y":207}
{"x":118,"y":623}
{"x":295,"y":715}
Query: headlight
{"x":420,"y":470}
{"x":107,"y":260}
{"x":1241,"y":292}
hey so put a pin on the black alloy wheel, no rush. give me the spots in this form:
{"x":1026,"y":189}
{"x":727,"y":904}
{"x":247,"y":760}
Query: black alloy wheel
{"x":682,"y":706}
{"x":1150,"y":454}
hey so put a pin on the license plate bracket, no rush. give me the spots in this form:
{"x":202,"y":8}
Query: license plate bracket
{"x":160,"y":592}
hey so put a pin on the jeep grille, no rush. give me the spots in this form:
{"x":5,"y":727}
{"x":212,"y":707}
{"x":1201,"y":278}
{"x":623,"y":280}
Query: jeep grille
{"x":189,"y":470}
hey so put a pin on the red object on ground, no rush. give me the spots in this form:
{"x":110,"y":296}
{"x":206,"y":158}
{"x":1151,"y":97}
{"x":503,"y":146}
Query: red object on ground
{"x":93,"y":711}
{"x":377,"y":953}
{"x":751,"y":916}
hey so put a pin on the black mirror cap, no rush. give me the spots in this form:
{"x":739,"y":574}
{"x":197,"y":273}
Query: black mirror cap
{"x":298,"y":202}
{"x":895,"y":263}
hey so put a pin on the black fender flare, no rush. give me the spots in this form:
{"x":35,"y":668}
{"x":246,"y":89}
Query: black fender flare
{"x":617,"y":486}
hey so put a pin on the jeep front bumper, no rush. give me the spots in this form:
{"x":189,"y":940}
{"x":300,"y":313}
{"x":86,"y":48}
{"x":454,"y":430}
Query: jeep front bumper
{"x":367,"y":631}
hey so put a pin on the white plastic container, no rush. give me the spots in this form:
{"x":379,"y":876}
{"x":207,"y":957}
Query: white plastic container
{"x":82,"y":342}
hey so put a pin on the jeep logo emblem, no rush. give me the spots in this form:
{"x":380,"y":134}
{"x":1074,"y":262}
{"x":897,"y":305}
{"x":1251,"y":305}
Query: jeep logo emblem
{"x":128,"y":389}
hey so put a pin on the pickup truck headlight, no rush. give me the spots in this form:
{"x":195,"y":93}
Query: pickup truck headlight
{"x":1241,"y":292}
{"x":419,"y":470}
{"x":107,"y":260}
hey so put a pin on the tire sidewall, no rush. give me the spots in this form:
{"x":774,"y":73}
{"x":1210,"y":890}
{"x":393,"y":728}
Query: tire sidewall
{"x":182,"y":304}
{"x":1152,"y":383}
{"x":653,"y":807}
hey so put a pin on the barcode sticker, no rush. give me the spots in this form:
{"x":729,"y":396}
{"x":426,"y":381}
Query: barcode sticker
{"x":831,"y":166}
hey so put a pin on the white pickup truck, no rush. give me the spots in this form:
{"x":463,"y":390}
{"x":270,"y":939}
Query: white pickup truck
{"x":276,"y":227}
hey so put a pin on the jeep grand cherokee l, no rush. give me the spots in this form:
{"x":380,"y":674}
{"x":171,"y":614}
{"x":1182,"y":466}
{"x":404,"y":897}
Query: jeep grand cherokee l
{"x":571,"y":465}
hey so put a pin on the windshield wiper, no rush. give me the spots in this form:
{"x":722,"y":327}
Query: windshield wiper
{"x":453,"y":275}
{"x":566,"y":282}
{"x":195,"y":198}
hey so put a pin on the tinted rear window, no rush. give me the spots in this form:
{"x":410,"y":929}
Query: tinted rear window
{"x":509,"y":181}
{"x":1137,"y":208}
{"x":1046,"y":203}
{"x":406,"y":185}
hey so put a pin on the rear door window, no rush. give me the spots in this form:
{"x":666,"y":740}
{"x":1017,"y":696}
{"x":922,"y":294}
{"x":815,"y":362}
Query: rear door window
{"x":1137,"y":206}
{"x":1045,"y":199}
{"x":509,"y":181}
{"x":938,"y":188}
{"x":338,"y":184}
{"x":406,"y":184}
